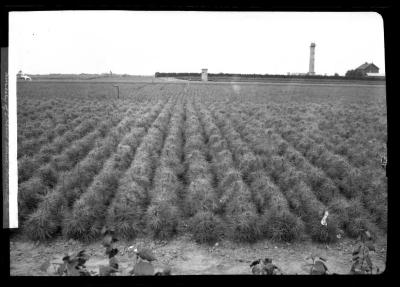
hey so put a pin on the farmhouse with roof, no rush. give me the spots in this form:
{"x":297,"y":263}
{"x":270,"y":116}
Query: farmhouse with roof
{"x":367,"y":68}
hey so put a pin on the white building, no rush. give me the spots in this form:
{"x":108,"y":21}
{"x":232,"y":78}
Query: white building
{"x":204,"y":76}
{"x":22,"y":76}
{"x":25,"y":77}
{"x":375,"y":75}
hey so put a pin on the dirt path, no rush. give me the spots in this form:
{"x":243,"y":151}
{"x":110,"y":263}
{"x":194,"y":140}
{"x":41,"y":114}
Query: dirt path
{"x":186,"y":257}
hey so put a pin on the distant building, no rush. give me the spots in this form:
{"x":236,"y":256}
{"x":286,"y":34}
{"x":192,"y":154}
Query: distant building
{"x":368,"y":68}
{"x":375,"y":74}
{"x":204,"y":77}
{"x":22,"y":76}
{"x":27,"y":78}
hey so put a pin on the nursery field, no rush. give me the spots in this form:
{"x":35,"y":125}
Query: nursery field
{"x":216,"y":162}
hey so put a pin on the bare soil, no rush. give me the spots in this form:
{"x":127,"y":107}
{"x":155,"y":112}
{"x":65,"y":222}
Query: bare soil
{"x":185,"y":257}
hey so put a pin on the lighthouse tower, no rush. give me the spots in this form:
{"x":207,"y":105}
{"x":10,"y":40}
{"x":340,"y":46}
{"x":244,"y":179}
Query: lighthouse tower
{"x":312,"y":59}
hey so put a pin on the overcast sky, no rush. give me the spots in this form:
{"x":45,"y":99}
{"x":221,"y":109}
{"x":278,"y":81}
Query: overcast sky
{"x":143,"y":43}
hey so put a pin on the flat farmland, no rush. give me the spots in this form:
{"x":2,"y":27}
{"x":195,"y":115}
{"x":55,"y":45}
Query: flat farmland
{"x":214,"y":162}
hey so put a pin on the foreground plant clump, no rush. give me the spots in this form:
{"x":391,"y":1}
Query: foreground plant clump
{"x":148,"y":258}
{"x":214,"y":161}
{"x":74,"y":263}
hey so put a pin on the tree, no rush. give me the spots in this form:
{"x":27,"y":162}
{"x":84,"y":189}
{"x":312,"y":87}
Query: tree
{"x":355,"y":74}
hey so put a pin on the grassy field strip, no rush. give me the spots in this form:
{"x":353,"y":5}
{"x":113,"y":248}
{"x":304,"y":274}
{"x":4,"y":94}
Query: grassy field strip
{"x":30,"y":149}
{"x":88,"y":213}
{"x":336,"y":167}
{"x":77,"y":150}
{"x":216,"y":162}
{"x":277,"y":221}
{"x":47,"y":176}
{"x":61,"y":112}
{"x":40,"y":111}
{"x":356,"y":144}
{"x":182,"y":166}
{"x":42,"y":131}
{"x":292,"y":95}
{"x":357,"y":182}
{"x":28,"y":146}
{"x":127,"y":209}
{"x":340,"y":139}
{"x":201,"y":200}
{"x":364,"y":157}
{"x":348,"y":122}
{"x":103,"y":93}
{"x":35,"y":137}
{"x":309,"y":208}
{"x":28,"y":167}
{"x":350,"y":181}
{"x":235,"y":199}
{"x":289,"y":83}
{"x":163,"y":214}
{"x":54,"y":112}
{"x":47,"y":219}
{"x":349,"y":214}
{"x":317,"y":179}
{"x":246,"y":162}
{"x":335,"y":138}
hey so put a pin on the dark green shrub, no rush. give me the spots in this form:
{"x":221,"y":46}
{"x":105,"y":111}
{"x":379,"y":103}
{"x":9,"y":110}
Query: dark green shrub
{"x":125,"y":214}
{"x":261,"y":189}
{"x":355,"y":227}
{"x":44,"y":223}
{"x":162,"y":220}
{"x":321,"y":233}
{"x":26,"y":168}
{"x":281,"y":226}
{"x":243,"y":227}
{"x":72,"y":228}
{"x":48,"y":176}
{"x":29,"y":195}
{"x":200,"y":196}
{"x":206,"y":227}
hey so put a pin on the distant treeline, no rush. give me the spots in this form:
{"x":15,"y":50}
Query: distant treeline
{"x":82,"y":76}
{"x":69,"y":76}
{"x":197,"y":76}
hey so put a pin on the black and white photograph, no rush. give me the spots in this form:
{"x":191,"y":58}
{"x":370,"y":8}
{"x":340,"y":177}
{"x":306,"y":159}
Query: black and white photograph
{"x":166,"y":143}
